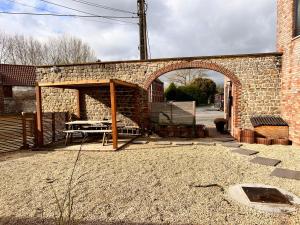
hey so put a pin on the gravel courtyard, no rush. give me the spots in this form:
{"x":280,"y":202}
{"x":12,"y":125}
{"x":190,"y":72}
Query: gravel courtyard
{"x":142,"y":184}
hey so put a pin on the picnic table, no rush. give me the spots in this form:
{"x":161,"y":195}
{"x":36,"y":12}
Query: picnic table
{"x":85,"y":127}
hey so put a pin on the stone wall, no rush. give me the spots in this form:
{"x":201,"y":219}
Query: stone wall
{"x":95,"y":104}
{"x":255,"y":78}
{"x":289,"y":45}
{"x":22,"y":100}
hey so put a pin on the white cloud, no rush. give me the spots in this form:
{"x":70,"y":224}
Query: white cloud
{"x":176,"y":27}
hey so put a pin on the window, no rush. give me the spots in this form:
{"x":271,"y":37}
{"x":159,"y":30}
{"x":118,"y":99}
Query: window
{"x":297,"y":17}
{"x":7,"y":91}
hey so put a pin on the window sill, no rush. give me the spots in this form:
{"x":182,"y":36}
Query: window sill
{"x":296,"y":38}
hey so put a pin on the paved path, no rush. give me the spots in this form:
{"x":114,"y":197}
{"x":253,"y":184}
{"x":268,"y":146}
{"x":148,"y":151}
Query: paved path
{"x":206,"y":116}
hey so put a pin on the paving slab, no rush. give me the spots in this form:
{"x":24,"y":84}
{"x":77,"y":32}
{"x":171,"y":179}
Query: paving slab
{"x":224,"y":139}
{"x":183,"y":143}
{"x":285,"y":173}
{"x":244,"y":151}
{"x":232,"y":145}
{"x":265,"y":161}
{"x":205,"y":143}
{"x":163,"y":143}
{"x":140,"y":142}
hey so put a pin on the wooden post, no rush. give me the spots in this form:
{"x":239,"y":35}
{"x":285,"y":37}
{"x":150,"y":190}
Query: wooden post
{"x":113,"y":100}
{"x":78,"y":103}
{"x":39,"y":116}
{"x":194,"y":118}
{"x":35,"y":130}
{"x":53,"y":126}
{"x":25,"y":146}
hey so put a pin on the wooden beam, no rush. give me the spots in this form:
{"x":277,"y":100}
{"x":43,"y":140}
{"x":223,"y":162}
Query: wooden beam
{"x":113,"y":100}
{"x":124,"y":83}
{"x":78,"y":104}
{"x":85,"y":83}
{"x":39,"y":116}
{"x":82,"y":83}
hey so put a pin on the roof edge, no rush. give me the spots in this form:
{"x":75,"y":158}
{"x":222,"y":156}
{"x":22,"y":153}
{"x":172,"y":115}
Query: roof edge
{"x":168,"y":59}
{"x":5,"y":64}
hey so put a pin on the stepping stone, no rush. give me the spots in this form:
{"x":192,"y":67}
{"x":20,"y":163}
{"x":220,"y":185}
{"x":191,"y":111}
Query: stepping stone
{"x":162,"y":143}
{"x":183,"y":143}
{"x":205,"y":143}
{"x":224,"y":139}
{"x":265,"y":161}
{"x":140,"y":142}
{"x":232,"y":145}
{"x":244,"y":151}
{"x":285,"y":173}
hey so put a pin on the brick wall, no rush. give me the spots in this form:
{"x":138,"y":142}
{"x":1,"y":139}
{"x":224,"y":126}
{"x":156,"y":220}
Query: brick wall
{"x":1,"y":99}
{"x":156,"y":91}
{"x":255,"y":78}
{"x":290,"y":47}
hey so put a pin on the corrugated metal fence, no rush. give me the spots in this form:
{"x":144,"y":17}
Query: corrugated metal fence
{"x":19,"y":131}
{"x":11,"y":133}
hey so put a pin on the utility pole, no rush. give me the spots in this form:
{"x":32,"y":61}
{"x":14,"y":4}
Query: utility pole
{"x":143,"y":29}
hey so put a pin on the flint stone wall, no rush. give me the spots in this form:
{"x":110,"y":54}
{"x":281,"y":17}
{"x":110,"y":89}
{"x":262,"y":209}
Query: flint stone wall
{"x":256,"y":80}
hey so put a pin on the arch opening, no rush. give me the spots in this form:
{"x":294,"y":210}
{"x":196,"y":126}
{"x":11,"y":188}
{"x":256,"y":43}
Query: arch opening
{"x":231,"y":90}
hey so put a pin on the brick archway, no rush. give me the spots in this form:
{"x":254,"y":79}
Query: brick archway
{"x":236,"y":91}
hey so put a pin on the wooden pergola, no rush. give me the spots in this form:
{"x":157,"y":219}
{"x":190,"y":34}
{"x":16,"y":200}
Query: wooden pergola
{"x":112,"y":83}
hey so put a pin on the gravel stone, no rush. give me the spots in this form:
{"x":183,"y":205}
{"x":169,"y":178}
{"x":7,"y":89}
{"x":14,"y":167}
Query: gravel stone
{"x":142,"y":184}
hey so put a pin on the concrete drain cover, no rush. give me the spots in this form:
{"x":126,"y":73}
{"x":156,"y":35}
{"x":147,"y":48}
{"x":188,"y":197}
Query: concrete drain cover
{"x":264,"y":197}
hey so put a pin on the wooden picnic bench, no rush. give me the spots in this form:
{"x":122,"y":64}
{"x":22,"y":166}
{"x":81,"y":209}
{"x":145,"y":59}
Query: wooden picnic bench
{"x":69,"y":134}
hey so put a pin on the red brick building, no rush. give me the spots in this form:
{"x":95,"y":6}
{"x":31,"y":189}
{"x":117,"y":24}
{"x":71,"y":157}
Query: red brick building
{"x":17,"y":88}
{"x":156,"y":91}
{"x":288,"y":42}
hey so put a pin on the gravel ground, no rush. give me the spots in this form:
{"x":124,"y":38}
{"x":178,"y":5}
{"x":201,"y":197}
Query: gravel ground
{"x":142,"y":184}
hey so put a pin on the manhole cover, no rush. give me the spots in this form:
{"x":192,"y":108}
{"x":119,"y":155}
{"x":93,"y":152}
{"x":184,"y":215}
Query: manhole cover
{"x":266,"y":195}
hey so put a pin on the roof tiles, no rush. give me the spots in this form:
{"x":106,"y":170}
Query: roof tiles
{"x":17,"y":75}
{"x":258,"y":121}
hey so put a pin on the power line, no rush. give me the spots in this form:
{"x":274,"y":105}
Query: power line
{"x":61,"y":15}
{"x":77,"y":10}
{"x":103,"y":6}
{"x":41,"y":9}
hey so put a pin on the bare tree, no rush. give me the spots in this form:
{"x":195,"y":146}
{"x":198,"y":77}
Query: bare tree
{"x":65,"y":50}
{"x":186,"y":76}
{"x":4,"y":48}
{"x":18,"y":49}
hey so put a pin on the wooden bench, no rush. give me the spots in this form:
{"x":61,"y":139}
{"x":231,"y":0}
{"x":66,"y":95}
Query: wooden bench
{"x":69,"y":134}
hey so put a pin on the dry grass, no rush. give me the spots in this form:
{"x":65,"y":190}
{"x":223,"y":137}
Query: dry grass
{"x":142,"y":184}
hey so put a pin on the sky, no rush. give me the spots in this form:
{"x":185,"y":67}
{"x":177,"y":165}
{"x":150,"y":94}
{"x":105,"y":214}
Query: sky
{"x":177,"y":28}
